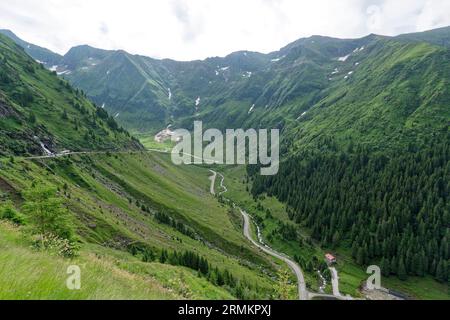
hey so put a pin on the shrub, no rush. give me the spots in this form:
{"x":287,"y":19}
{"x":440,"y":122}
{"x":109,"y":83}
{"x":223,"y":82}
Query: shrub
{"x":55,"y":245}
{"x":8,"y":212}
{"x":24,"y":98}
{"x":46,"y":213}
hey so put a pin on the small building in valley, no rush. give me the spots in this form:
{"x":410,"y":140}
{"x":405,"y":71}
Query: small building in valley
{"x":330,"y":258}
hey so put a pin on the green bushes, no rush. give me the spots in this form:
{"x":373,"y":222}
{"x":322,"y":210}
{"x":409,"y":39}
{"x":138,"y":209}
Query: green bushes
{"x":4,"y":78}
{"x":142,"y":251}
{"x":112,"y":124}
{"x":8,"y":212}
{"x":222,"y":278}
{"x":49,"y":221}
{"x":45,"y":218}
{"x":25,"y":98}
{"x":186,"y":230}
{"x":55,"y":245}
{"x":46,"y":213}
{"x":101,"y":113}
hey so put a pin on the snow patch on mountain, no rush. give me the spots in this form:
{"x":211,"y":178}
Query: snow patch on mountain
{"x":302,"y":115}
{"x":278,"y":59}
{"x":344,"y":58}
{"x":64,"y":72}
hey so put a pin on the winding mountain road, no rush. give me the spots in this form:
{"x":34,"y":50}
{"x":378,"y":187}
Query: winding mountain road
{"x":302,"y":291}
{"x":213,"y":182}
{"x":70,"y":153}
{"x":335,"y":282}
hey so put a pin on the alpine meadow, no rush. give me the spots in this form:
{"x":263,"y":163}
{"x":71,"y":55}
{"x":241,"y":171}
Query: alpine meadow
{"x":93,"y":205}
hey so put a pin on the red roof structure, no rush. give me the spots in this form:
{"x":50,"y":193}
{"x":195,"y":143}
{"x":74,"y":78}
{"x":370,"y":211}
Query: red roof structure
{"x":330,"y":257}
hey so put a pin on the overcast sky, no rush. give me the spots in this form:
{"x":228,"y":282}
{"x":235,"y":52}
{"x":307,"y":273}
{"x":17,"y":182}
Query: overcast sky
{"x":196,"y":29}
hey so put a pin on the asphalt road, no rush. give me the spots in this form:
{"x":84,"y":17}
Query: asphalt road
{"x":302,"y":291}
{"x":335,"y":282}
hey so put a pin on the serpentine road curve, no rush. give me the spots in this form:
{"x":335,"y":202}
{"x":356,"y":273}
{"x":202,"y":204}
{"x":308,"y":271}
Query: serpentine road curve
{"x":302,"y":291}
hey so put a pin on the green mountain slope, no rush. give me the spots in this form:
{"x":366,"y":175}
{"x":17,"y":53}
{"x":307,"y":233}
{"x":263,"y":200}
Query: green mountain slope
{"x":365,"y":165}
{"x":394,"y":94}
{"x":42,"y":55}
{"x":41,"y":111}
{"x":142,"y":205}
{"x":147,"y":94}
{"x":125,"y":85}
{"x":132,"y":214}
{"x":105,"y":274}
{"x":440,"y":37}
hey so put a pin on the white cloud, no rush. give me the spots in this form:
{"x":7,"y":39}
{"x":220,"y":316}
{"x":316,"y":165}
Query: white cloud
{"x":194,"y":29}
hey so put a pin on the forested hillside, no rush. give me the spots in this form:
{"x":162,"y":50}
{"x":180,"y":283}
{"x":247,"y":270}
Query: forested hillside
{"x":392,"y":210}
{"x":40,"y":113}
{"x":365,"y":166}
{"x":110,"y":208}
{"x":368,"y":164}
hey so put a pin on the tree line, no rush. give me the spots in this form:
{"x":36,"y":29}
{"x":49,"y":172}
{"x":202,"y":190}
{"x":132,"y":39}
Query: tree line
{"x":240,"y":288}
{"x":179,"y":226}
{"x":391,"y":210}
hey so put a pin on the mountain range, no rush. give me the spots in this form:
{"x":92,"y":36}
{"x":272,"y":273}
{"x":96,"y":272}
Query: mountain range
{"x":39,"y":110}
{"x":365,"y":151}
{"x":245,"y":88}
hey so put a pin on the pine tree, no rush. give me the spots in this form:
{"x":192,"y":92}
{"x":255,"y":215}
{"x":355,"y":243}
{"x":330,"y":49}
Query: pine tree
{"x":46,"y":212}
{"x":336,"y":239}
{"x":395,"y":207}
{"x":361,"y":257}
{"x":354,"y":250}
{"x":441,"y":271}
{"x":401,"y":271}
{"x":163,"y":257}
{"x":385,"y":267}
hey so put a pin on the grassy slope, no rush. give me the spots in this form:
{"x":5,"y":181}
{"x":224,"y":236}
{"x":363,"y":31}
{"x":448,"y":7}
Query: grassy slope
{"x":105,"y":274}
{"x":49,"y":98}
{"x":105,"y":217}
{"x":398,"y":94}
